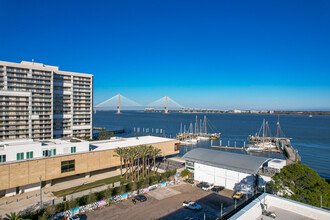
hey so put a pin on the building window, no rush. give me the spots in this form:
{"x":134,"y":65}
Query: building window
{"x":190,"y":164}
{"x":53,"y":152}
{"x":29,"y":155}
{"x":2,"y":158}
{"x":67,"y":166}
{"x":46,"y":153}
{"x":176,"y":147}
{"x":73,"y":149}
{"x":20,"y":156}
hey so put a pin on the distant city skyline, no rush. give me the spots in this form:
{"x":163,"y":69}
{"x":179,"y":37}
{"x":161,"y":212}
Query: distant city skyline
{"x":262,"y":55}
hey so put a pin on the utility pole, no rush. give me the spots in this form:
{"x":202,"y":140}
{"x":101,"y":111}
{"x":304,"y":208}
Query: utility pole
{"x":221,"y":210}
{"x":164,"y":162}
{"x":40,"y":193}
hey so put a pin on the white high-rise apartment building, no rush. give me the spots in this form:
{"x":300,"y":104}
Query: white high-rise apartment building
{"x":41,"y":102}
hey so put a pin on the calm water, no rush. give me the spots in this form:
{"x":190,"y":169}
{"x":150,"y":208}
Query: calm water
{"x":310,"y":136}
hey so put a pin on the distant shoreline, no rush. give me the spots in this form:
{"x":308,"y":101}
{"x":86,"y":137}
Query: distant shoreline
{"x":312,"y":113}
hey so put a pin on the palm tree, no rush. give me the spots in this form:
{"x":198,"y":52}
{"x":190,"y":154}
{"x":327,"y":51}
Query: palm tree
{"x":150,"y":149}
{"x":125,"y":158}
{"x":132,"y":155}
{"x":143,"y":153}
{"x":120,"y":152}
{"x":155,"y":152}
{"x":13,"y":216}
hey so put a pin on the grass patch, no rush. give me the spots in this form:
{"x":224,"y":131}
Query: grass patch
{"x":87,"y":186}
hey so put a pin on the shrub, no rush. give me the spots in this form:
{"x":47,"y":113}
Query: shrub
{"x":100,"y":195}
{"x":115,"y":191}
{"x":81,"y":200}
{"x":128,"y":187}
{"x":91,"y":198}
{"x":59,"y":207}
{"x":139,"y":184}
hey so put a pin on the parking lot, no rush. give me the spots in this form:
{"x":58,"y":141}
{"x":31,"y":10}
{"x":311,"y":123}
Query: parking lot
{"x":166,"y":203}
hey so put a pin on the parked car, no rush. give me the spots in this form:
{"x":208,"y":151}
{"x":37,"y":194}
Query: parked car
{"x":207,"y":187}
{"x":201,"y":184}
{"x":191,"y":205}
{"x":217,"y":188}
{"x":141,"y":198}
{"x":238,"y":195}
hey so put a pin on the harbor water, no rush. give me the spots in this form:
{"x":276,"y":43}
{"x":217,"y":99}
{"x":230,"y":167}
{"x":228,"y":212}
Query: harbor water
{"x":310,"y":135}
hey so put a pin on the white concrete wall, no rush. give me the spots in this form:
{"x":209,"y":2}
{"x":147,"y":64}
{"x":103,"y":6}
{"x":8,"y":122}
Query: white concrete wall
{"x":230,"y":179}
{"x":30,"y":187}
{"x":297,"y":207}
{"x":37,"y":148}
{"x":254,"y":209}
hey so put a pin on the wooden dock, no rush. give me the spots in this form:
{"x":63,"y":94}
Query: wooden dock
{"x":244,"y":149}
{"x":229,"y":148}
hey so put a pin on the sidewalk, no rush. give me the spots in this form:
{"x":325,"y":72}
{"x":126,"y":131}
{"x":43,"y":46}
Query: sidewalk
{"x":32,"y":199}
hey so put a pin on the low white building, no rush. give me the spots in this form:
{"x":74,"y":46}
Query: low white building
{"x":281,"y":207}
{"x":233,"y":171}
{"x":27,"y":149}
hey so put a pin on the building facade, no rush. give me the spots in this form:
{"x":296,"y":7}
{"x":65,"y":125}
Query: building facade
{"x":55,"y":159}
{"x":234,"y":171}
{"x":41,"y":102}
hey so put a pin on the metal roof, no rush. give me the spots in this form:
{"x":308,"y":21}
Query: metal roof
{"x":231,"y":161}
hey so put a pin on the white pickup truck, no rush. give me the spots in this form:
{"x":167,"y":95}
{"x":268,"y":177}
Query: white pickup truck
{"x":191,"y":205}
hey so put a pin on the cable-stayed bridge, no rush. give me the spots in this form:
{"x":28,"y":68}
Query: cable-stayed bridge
{"x":119,"y":101}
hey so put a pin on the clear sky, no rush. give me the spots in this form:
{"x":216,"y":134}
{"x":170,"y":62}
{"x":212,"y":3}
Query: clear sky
{"x":223,"y":54}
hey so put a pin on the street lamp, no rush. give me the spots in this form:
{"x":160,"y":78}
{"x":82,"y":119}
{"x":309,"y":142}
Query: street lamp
{"x":164,"y":161}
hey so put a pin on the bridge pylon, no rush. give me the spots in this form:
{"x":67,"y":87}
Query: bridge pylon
{"x":166,"y":105}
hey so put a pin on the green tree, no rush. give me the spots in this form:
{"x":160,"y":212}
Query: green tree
{"x":185,"y":173}
{"x":13,"y":216}
{"x":120,"y":152}
{"x":104,"y":135}
{"x":300,"y":183}
{"x":155,"y":152}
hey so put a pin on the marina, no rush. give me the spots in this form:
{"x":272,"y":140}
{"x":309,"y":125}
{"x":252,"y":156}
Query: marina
{"x":310,"y":135}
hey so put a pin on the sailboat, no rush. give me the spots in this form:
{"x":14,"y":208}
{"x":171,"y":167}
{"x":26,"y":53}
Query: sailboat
{"x":266,"y":142}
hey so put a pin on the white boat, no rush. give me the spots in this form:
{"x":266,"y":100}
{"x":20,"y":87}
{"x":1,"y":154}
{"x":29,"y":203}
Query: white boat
{"x":192,"y":141}
{"x":266,"y":145}
{"x":255,"y":149}
{"x":310,"y":116}
{"x":202,"y":138}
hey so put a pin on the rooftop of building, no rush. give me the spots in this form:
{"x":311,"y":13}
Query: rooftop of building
{"x":39,"y":66}
{"x":116,"y":142}
{"x":17,"y":142}
{"x":232,"y":161}
{"x":282,"y":208}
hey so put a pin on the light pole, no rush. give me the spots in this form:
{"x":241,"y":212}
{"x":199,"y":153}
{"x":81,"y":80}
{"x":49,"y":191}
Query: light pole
{"x":164,"y":162}
{"x":40,"y":193}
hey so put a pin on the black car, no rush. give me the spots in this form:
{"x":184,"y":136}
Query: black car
{"x":202,"y":184}
{"x":218,"y":188}
{"x":141,"y":198}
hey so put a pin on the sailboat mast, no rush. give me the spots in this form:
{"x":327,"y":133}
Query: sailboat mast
{"x":196,"y":125}
{"x":181,"y":128}
{"x":278,"y":127}
{"x":200,"y":126}
{"x":263,"y":133}
{"x":205,"y":124}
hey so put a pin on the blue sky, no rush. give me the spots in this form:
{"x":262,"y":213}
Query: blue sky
{"x":216,"y":54}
